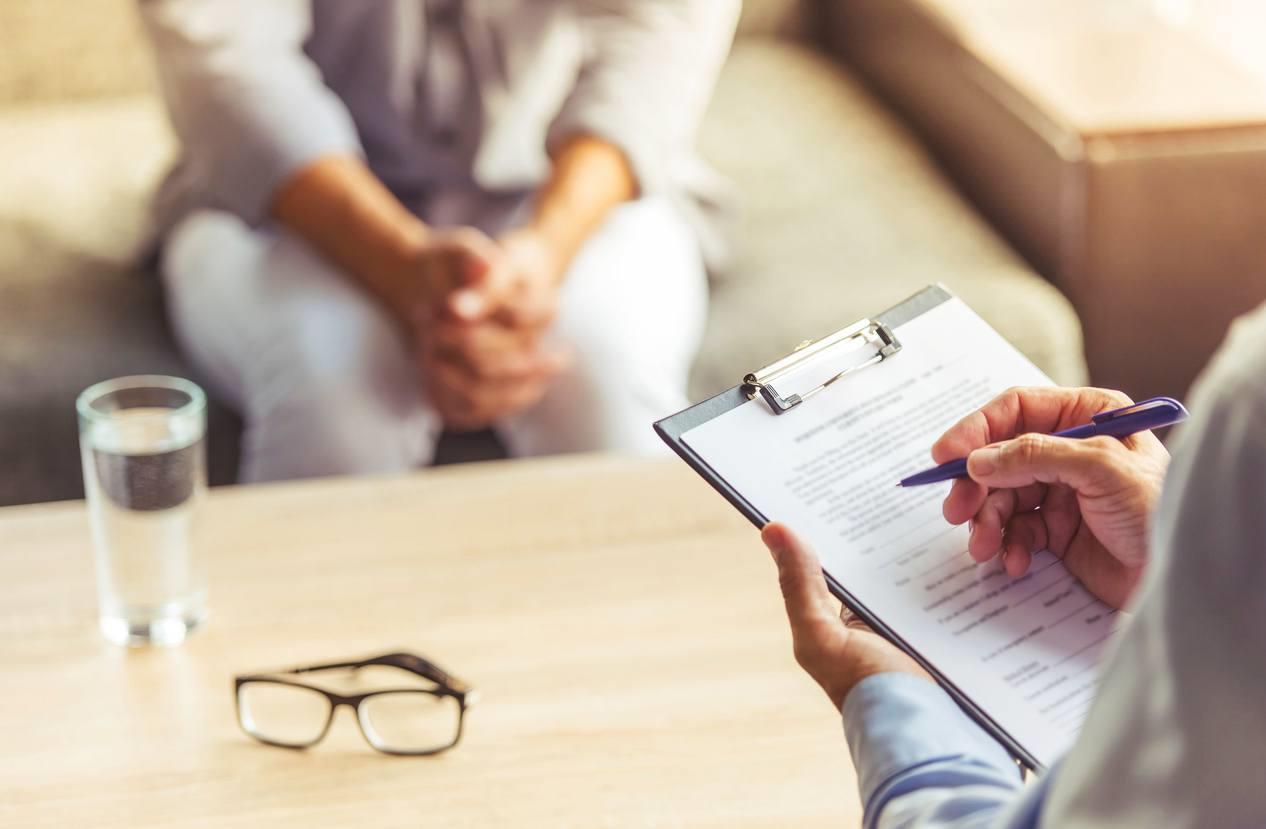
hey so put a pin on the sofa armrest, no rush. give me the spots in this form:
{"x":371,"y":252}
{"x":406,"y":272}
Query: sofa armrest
{"x":57,"y":50}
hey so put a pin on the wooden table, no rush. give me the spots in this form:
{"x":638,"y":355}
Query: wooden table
{"x":621,"y":622}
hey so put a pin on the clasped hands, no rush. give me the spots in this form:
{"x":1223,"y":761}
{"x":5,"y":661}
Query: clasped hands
{"x":478,"y":311}
{"x":1088,"y":502}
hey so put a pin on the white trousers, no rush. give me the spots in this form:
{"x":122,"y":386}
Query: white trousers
{"x":326,"y":384}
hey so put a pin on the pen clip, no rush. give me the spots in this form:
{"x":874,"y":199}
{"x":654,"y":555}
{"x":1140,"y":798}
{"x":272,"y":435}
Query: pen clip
{"x":1162,"y":410}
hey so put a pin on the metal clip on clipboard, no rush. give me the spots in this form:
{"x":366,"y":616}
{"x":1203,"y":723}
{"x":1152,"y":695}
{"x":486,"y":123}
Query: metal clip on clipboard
{"x":866,"y":331}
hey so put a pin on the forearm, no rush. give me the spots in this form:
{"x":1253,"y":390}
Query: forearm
{"x":341,"y":208}
{"x":589,"y":177}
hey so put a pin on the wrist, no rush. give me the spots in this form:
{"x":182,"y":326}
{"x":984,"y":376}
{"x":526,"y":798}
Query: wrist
{"x":840,"y":686}
{"x":865,"y":655}
{"x":342,"y":209}
{"x":403,"y":241}
{"x":393,"y":271}
{"x":544,"y":253}
{"x":590,"y":176}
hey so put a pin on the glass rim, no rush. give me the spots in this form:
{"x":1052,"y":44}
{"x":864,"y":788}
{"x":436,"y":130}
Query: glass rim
{"x":85,"y":402}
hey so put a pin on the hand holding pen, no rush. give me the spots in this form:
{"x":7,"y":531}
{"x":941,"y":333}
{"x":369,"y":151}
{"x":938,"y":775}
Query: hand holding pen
{"x":1087,"y":501}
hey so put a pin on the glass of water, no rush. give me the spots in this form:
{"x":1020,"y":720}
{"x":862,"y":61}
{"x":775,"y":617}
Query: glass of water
{"x":143,"y":445}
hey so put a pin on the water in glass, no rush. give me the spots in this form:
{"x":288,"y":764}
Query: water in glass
{"x":144,"y":473}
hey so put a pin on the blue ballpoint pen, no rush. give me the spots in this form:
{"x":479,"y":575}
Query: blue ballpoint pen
{"x":1118,"y":423}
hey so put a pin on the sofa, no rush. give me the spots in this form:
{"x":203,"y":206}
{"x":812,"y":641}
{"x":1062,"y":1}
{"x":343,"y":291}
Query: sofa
{"x":1122,"y":154}
{"x":841,"y":214}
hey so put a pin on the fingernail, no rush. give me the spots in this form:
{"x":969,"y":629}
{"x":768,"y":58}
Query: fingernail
{"x":467,"y":304}
{"x":773,"y":538}
{"x":983,"y":461}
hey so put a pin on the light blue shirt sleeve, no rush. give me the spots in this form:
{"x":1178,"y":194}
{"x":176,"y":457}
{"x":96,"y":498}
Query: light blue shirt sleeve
{"x":922,"y":762}
{"x":1175,"y":735}
{"x":648,"y":71}
{"x":248,"y":104}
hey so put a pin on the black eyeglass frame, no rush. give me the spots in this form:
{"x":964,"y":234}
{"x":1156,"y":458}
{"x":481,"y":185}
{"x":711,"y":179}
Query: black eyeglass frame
{"x":446,"y":684}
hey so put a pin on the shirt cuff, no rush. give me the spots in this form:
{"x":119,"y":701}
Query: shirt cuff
{"x":282,"y":136}
{"x":900,"y":728}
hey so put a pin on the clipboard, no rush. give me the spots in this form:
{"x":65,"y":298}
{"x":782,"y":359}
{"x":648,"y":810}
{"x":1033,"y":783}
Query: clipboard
{"x":876,"y":339}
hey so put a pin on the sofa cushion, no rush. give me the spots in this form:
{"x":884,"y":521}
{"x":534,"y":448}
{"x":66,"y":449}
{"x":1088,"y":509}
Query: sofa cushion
{"x":71,"y":49}
{"x":75,"y":306}
{"x":843,"y":214}
{"x":788,"y":18}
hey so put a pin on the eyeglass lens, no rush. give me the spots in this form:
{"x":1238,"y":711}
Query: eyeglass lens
{"x":410,"y":721}
{"x":284,"y":714}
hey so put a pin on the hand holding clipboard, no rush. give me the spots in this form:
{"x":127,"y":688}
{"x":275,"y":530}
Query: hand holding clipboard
{"x":1019,"y":656}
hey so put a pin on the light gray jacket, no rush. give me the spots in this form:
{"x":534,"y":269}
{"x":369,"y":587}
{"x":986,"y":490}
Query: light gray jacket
{"x":433,"y":94}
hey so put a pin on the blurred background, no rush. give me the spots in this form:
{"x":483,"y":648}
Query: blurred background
{"x":1088,"y":174}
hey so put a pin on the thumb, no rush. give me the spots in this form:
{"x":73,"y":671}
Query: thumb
{"x":475,"y":296}
{"x":800,"y":577}
{"x":1084,"y":465}
{"x":479,"y":274}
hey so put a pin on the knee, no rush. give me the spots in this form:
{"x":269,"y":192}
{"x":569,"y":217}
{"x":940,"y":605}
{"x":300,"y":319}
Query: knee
{"x":350,"y":398}
{"x":635,"y":297}
{"x":620,"y":354}
{"x":335,"y":427}
{"x":599,"y":404}
{"x":202,"y":242}
{"x":334,"y":391}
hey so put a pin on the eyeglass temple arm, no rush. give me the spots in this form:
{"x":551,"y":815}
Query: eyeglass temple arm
{"x":405,"y":661}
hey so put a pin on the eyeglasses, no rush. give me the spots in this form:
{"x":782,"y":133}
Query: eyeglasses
{"x":416,"y":721}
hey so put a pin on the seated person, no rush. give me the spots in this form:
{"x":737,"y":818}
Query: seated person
{"x":394,"y":217}
{"x":1176,"y":736}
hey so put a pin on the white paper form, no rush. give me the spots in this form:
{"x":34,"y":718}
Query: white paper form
{"x":1026,"y":651}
